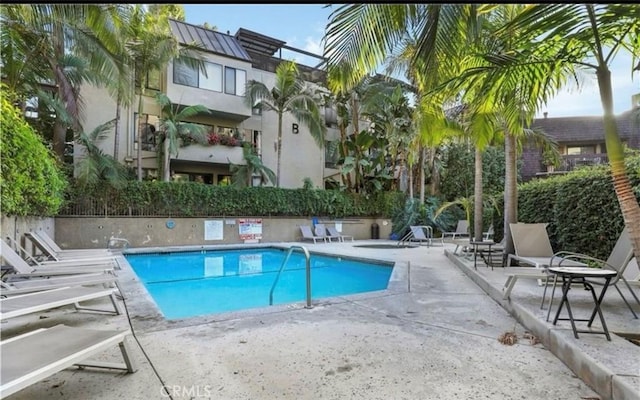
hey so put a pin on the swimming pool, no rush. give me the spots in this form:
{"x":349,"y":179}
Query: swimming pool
{"x":195,"y":283}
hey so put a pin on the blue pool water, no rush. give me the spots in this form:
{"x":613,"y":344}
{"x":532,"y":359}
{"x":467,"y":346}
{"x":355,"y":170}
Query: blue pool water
{"x":189,"y":284}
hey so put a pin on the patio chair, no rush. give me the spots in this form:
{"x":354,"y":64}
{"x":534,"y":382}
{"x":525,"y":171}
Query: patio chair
{"x":417,"y":234}
{"x":462,"y":230}
{"x":36,"y":355}
{"x":532,"y":247}
{"x":22,"y":269}
{"x":108,"y":261}
{"x":15,"y":287}
{"x":488,"y":235}
{"x":321,"y":231}
{"x":16,"y":306}
{"x":308,"y":235}
{"x":333,"y":233}
{"x":55,"y":253}
{"x":620,"y":256}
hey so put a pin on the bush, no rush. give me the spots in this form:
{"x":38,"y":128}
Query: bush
{"x":31,"y":181}
{"x":192,"y":199}
{"x":581,"y":208}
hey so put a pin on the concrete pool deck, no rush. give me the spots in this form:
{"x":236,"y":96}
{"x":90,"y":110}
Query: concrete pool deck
{"x":432,"y":335}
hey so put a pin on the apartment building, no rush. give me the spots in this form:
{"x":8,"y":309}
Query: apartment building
{"x":580,"y":142}
{"x":230,"y":61}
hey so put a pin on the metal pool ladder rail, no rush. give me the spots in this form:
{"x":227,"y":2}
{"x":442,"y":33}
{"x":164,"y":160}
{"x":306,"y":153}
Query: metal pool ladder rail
{"x":308,"y":258}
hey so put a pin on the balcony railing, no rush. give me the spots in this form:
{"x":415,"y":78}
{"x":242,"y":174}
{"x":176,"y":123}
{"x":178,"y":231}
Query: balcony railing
{"x":572,"y":162}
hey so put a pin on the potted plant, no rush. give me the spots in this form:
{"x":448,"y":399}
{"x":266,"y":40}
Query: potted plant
{"x":551,"y":158}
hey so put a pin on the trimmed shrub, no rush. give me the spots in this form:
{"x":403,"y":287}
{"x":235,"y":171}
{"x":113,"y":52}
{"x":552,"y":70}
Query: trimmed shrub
{"x":581,"y":208}
{"x":194,"y":199}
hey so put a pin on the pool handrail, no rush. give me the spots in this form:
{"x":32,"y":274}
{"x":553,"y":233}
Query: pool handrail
{"x":308,"y":268}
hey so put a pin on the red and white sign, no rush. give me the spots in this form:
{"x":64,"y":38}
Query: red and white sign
{"x":250,"y":228}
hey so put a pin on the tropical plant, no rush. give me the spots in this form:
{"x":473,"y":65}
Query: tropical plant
{"x":361,"y":36}
{"x":173,"y":129}
{"x":50,"y":50}
{"x":587,"y":36}
{"x":289,"y":95}
{"x":243,"y":174}
{"x":150,"y":46}
{"x":94,"y":165}
{"x":467,"y":205}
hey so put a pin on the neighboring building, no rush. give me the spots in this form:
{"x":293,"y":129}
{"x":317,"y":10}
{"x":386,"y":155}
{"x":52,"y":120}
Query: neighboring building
{"x":230,"y":62}
{"x":580,"y":140}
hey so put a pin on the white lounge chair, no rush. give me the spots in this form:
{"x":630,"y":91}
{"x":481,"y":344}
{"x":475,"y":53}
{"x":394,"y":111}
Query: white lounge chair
{"x":110,"y":261}
{"x":308,"y":235}
{"x":321,"y":231}
{"x":36,"y":284}
{"x":417,"y":234}
{"x":16,"y":306}
{"x":36,"y":355}
{"x":333,"y":233}
{"x":48,"y":247}
{"x":22,"y":269}
{"x":462,"y":230}
{"x":532,"y":247}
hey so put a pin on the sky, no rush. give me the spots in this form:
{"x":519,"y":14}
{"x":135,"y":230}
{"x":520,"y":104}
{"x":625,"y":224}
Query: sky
{"x":302,"y":26}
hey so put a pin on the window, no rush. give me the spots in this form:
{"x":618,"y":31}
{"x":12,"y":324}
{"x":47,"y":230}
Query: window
{"x":234,"y":81}
{"x":577,"y":150}
{"x":183,"y":74}
{"x":257,"y":142}
{"x":213,"y":80}
{"x":154,"y":80}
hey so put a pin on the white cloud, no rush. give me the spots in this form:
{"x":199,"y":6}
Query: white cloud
{"x":313,"y":46}
{"x":586,"y":100}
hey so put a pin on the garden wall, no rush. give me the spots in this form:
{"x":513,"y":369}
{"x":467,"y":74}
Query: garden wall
{"x":95,"y":232}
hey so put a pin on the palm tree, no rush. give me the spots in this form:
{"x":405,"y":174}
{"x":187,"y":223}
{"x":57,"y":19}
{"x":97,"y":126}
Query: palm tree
{"x":64,"y":45}
{"x":173,"y":128}
{"x":361,"y":35}
{"x":289,"y":95}
{"x":589,"y":36}
{"x":95,"y":166}
{"x":243,"y":174}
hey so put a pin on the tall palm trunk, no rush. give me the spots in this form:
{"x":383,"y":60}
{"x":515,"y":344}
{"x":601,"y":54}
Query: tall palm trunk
{"x":116,"y":129}
{"x":628,"y":203}
{"x":435,"y":176}
{"x":356,"y":129}
{"x":411,"y":181}
{"x":166,"y":160}
{"x":140,"y":127}
{"x":346,"y":178}
{"x":477,"y":199}
{"x":279,"y":148}
{"x":510,"y":189}
{"x":422,"y":186}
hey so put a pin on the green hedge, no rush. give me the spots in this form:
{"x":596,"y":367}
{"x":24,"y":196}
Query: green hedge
{"x":194,"y":199}
{"x":581,"y":208}
{"x":31,"y":182}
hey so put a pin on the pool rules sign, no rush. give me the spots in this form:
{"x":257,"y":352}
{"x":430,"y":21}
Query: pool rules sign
{"x":250,"y":228}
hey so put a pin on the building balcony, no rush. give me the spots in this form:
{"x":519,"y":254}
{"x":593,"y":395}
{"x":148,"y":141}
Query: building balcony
{"x":221,"y":105}
{"x":572,"y":162}
{"x":216,"y":154}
